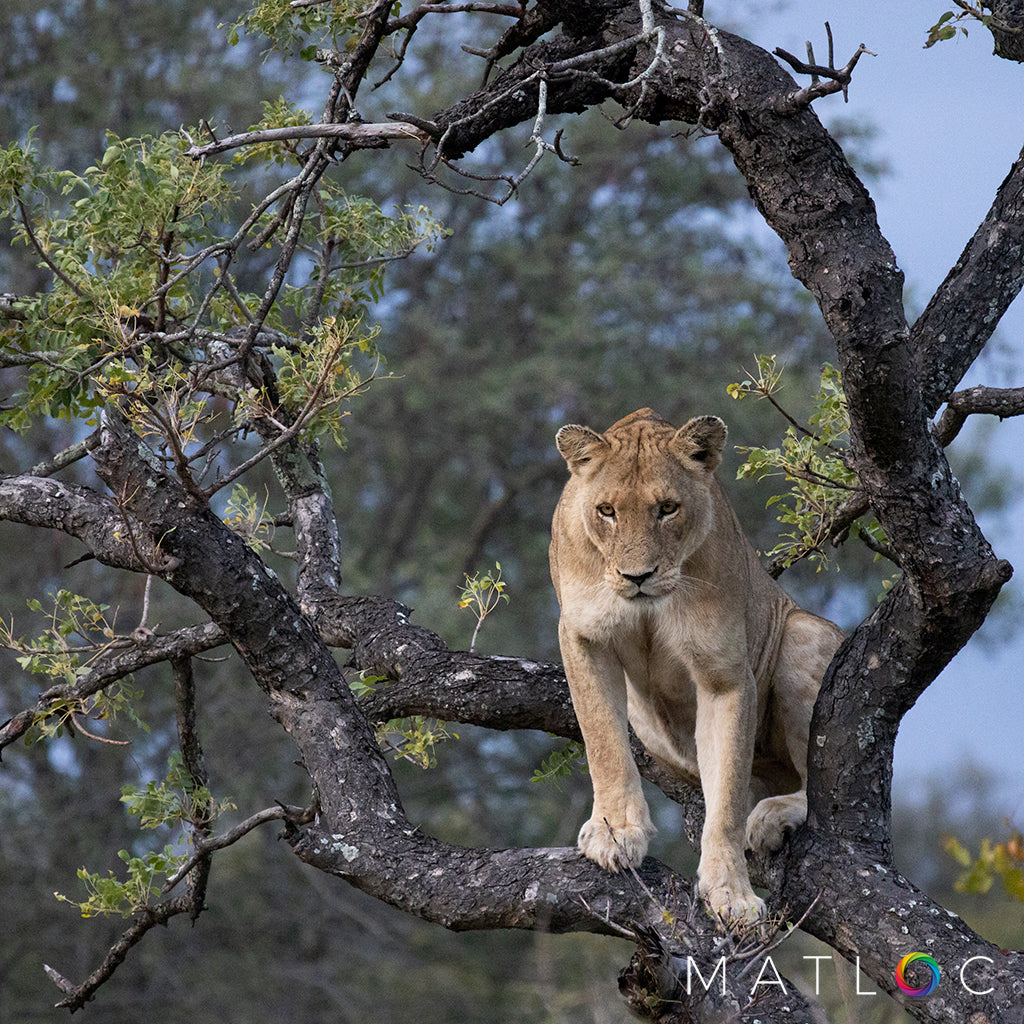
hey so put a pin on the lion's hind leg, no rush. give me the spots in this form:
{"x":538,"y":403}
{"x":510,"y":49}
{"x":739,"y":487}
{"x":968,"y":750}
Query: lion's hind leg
{"x":807,"y":646}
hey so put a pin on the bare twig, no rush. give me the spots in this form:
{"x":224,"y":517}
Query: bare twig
{"x":76,"y":996}
{"x":837,"y":79}
{"x":878,"y":547}
{"x":295,"y":815}
{"x":67,"y":457}
{"x":578,"y":64}
{"x":26,"y":221}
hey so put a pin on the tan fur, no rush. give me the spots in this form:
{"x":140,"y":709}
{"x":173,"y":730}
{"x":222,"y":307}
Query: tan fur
{"x":667,"y":616}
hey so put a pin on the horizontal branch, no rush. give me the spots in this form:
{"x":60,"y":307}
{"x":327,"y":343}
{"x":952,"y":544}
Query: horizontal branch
{"x":423,"y":677}
{"x":355,"y":135}
{"x":1001,"y":402}
{"x":116,"y":663}
{"x":206,"y":846}
{"x":77,"y":511}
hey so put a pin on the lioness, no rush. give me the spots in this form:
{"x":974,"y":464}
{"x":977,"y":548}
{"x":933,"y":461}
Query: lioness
{"x":668,"y":617}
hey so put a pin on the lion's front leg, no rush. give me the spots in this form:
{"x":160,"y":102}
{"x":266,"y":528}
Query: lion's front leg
{"x":619,"y":828}
{"x":726,"y":720}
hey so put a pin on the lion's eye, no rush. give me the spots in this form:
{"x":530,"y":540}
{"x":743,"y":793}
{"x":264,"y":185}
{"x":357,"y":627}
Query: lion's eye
{"x":667,"y":508}
{"x":606,"y":510}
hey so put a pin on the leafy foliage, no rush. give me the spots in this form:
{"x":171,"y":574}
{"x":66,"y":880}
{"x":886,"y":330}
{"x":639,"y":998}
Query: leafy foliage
{"x":109,"y":896}
{"x":949,"y":23}
{"x":561,"y":763}
{"x":811,"y":460}
{"x":413,"y":739}
{"x":177,"y":802}
{"x":1004,"y":861}
{"x":79,"y":634}
{"x":482,"y":594}
{"x":248,"y":517}
{"x":144,"y":306}
{"x":506,"y":320}
{"x":292,"y":28}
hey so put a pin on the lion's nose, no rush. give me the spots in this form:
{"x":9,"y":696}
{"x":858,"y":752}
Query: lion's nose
{"x":639,"y":578}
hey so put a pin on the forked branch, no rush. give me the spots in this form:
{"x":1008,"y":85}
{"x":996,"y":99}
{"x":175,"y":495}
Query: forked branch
{"x":835,"y":79}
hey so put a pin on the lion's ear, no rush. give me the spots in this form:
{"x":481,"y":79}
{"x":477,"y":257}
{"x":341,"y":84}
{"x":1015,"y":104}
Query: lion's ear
{"x":579,"y":445}
{"x":700,"y":441}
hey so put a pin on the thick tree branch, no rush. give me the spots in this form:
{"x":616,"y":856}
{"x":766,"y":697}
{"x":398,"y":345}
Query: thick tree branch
{"x":77,"y":511}
{"x":962,"y":314}
{"x":665,"y":64}
{"x":1007,"y":28}
{"x":866,"y":909}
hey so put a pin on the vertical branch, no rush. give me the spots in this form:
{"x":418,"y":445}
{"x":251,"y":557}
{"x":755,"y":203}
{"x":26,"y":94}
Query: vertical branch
{"x":201,"y":812}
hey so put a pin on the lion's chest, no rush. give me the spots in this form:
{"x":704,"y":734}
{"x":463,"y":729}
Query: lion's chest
{"x":656,"y":655}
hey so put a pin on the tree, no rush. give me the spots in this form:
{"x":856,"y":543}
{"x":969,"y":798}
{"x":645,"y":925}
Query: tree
{"x":182,"y":379}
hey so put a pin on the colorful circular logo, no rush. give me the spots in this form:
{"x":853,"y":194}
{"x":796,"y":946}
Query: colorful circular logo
{"x":925,"y":961}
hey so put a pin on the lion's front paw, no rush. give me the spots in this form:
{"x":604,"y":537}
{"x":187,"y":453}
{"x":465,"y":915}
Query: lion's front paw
{"x":615,"y":846}
{"x":769,"y":821}
{"x":733,"y":905}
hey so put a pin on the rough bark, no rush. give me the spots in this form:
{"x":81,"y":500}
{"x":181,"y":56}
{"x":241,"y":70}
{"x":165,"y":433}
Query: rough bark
{"x":1007,"y":28}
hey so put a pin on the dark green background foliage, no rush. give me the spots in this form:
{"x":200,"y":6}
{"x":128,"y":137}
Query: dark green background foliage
{"x":637,"y":278}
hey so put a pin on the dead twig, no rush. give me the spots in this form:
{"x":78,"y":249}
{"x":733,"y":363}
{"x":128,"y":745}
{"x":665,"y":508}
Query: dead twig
{"x":836,"y":79}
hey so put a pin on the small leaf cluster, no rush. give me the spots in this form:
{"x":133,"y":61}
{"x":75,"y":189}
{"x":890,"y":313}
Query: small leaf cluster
{"x":108,"y":896}
{"x":1004,"y":861}
{"x":175,"y":802}
{"x":948,"y":25}
{"x":413,"y":739}
{"x":247,"y":516}
{"x":482,"y":594}
{"x":352,"y":240}
{"x":78,"y":633}
{"x":317,"y":378}
{"x":301,"y":29}
{"x":812,"y":460}
{"x":71,"y":616}
{"x":561,"y":763}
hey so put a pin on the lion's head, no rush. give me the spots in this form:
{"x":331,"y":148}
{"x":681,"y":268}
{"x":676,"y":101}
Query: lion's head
{"x":643,"y":492}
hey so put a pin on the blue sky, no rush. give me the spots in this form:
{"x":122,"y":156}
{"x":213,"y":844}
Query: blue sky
{"x":950,"y":122}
